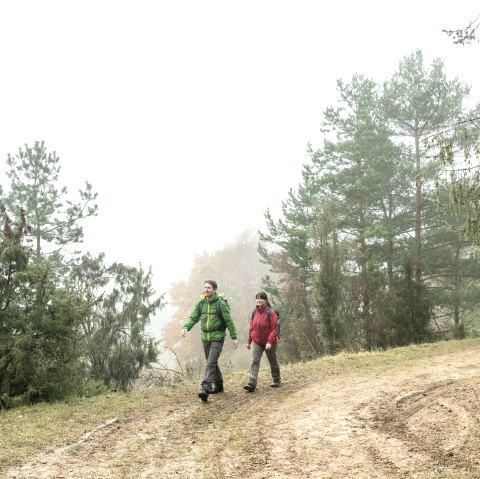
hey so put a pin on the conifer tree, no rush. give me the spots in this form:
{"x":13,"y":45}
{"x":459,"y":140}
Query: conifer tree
{"x":420,"y":101}
{"x":121,"y":300}
{"x":54,"y":219}
{"x":38,"y":324}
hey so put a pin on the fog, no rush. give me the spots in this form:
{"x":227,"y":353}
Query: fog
{"x":189,"y":114}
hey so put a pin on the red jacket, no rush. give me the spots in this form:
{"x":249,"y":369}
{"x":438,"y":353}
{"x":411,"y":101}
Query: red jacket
{"x":262,"y":330}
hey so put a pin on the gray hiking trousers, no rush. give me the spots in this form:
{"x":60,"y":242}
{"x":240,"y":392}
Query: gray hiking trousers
{"x":257,"y":352}
{"x":212,"y":350}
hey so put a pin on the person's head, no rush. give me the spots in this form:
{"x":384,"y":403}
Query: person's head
{"x":262,"y":299}
{"x":209,"y":287}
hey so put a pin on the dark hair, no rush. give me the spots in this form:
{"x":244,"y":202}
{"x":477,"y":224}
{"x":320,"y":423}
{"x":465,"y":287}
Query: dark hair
{"x":212,"y":282}
{"x":263,"y":295}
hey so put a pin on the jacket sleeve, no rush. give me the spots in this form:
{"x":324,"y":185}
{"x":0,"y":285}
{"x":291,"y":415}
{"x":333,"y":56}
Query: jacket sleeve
{"x":193,"y":318}
{"x":227,"y":317}
{"x":273,"y":335}
{"x":250,"y":329}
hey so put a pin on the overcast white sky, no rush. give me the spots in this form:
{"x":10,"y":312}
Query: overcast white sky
{"x":180,"y":111}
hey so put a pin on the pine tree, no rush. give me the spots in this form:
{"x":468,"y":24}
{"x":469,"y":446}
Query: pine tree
{"x":54,"y":219}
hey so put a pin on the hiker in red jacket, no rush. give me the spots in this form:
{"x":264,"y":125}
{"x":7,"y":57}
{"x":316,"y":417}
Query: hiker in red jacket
{"x":263,"y":336}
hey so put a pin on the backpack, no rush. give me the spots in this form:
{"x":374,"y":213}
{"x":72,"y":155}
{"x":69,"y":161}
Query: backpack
{"x":221,"y":297}
{"x":269,"y":312}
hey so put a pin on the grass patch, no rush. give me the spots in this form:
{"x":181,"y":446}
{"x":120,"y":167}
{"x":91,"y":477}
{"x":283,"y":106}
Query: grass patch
{"x":378,"y":362}
{"x":27,"y":430}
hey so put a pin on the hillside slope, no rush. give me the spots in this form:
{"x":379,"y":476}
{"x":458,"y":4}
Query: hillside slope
{"x":375,"y":415}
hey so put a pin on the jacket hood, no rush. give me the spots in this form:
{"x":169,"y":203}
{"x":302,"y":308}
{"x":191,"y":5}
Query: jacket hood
{"x":214,"y":297}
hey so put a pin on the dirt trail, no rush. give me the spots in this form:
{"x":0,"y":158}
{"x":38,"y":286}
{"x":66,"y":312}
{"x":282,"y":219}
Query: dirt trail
{"x":422,"y":422}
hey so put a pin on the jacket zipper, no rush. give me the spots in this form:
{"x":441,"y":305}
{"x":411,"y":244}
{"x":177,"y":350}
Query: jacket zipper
{"x":208,"y":319}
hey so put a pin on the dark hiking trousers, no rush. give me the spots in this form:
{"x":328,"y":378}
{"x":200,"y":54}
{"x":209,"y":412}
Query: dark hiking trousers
{"x":212,"y":349}
{"x":257,"y":352}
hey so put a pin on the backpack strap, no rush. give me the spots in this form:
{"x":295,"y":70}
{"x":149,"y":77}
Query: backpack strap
{"x":217,"y":305}
{"x":269,"y":312}
{"x":219,"y":309}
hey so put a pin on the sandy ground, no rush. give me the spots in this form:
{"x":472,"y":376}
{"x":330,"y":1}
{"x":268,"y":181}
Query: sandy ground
{"x":422,"y":422}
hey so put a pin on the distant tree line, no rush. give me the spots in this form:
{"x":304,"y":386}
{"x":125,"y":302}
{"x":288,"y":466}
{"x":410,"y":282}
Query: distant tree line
{"x":70,"y":324}
{"x":364,"y":255}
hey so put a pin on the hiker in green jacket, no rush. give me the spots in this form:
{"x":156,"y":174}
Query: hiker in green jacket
{"x":214,"y":315}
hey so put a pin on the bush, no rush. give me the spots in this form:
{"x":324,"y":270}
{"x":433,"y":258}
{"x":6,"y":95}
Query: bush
{"x":93,"y":387}
{"x":9,"y":402}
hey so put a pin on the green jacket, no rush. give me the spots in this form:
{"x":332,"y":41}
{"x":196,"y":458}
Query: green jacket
{"x":213,"y":328}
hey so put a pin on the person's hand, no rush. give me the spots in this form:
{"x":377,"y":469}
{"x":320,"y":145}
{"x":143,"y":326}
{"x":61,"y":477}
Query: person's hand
{"x":249,"y":346}
{"x":235,"y":343}
{"x":183,"y":332}
{"x":268,"y":346}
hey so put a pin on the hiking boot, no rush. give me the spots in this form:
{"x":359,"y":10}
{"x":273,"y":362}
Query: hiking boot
{"x":275,"y":384}
{"x":203,"y":395}
{"x":217,"y":389}
{"x":249,"y":388}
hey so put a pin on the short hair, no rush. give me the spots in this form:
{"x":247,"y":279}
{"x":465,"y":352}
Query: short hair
{"x":212,"y":282}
